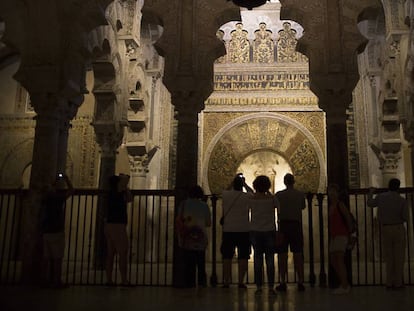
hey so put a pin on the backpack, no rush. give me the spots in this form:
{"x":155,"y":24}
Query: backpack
{"x":189,"y":237}
{"x":193,"y":238}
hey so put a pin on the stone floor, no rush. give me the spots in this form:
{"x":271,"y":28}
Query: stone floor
{"x":206,"y":299}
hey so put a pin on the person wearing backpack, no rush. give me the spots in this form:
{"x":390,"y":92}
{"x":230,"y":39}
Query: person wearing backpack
{"x":392,"y":214}
{"x":193,"y":219}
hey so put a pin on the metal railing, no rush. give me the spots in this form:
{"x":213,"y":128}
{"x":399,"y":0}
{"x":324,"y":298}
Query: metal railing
{"x":151,"y":234}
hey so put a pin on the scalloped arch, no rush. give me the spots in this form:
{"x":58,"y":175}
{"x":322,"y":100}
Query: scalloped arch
{"x":264,"y":131}
{"x":18,"y":158}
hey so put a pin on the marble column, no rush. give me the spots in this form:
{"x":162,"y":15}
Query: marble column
{"x":46,"y":141}
{"x":109,"y":141}
{"x":68,"y":113}
{"x":187,"y":109}
{"x":44,"y":169}
{"x":337,"y":139}
{"x":63,"y":146}
{"x":335,"y":105}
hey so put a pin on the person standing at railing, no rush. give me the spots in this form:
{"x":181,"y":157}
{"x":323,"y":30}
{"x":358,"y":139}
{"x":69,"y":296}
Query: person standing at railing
{"x":262,"y":206}
{"x":338,"y":237}
{"x":191,"y":224}
{"x":235,"y":222}
{"x":392,"y":214}
{"x":53,"y":229}
{"x":291,"y":204}
{"x":115,"y":227}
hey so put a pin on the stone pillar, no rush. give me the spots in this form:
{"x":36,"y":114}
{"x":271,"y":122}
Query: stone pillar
{"x":409,"y":136}
{"x":67,"y":115}
{"x":187,"y":108}
{"x":63,"y":146}
{"x":189,"y":46}
{"x":336,"y":135}
{"x":109,"y":140}
{"x":337,"y":156}
{"x":48,"y":123}
{"x":44,"y":169}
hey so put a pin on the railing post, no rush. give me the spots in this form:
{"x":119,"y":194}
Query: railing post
{"x":213,"y":278}
{"x":322,"y":273}
{"x":312,"y":277}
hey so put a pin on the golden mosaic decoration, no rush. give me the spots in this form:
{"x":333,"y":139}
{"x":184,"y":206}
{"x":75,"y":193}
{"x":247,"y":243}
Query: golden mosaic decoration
{"x":263,"y":134}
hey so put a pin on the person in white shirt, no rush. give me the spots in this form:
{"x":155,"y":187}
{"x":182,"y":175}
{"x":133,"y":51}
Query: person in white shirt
{"x":262,"y":207}
{"x":236,"y":230}
{"x":392,"y":214}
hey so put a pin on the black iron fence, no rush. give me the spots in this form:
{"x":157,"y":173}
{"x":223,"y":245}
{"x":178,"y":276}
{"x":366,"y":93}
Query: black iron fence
{"x":151,"y":236}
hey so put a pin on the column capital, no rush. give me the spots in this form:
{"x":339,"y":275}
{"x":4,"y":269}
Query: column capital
{"x":139,"y":165}
{"x":189,"y":43}
{"x":390,"y":162}
{"x":50,"y":107}
{"x":109,"y":138}
{"x":335,"y":105}
{"x":187,"y":106}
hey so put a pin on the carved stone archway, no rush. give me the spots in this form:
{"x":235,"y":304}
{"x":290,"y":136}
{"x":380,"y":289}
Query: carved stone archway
{"x":18,"y":158}
{"x":273,"y":132}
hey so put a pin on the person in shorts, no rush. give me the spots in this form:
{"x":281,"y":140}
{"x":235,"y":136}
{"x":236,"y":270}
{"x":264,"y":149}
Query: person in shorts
{"x":236,"y":230}
{"x":115,"y":227}
{"x":291,"y":204}
{"x":262,"y":207}
{"x":53,"y":229}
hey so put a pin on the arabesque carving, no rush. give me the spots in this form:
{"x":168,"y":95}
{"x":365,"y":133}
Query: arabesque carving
{"x":263,"y":47}
{"x":286,"y":45}
{"x":239,"y":45}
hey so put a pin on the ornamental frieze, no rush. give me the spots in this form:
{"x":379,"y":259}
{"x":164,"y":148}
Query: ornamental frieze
{"x":251,"y":101}
{"x":262,"y":82}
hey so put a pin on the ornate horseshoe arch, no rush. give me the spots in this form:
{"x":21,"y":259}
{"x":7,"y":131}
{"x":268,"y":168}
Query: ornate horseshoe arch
{"x":266,"y":131}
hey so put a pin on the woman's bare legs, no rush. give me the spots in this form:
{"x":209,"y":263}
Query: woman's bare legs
{"x":338,"y":263}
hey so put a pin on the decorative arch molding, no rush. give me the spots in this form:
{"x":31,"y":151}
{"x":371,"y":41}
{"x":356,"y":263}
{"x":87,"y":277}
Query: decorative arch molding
{"x":264,"y":131}
{"x":102,"y":39}
{"x":115,"y":15}
{"x":394,"y":15}
{"x":18,"y":159}
{"x":15,"y":162}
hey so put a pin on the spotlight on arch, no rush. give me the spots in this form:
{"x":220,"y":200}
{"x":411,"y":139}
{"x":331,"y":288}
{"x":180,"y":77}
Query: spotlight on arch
{"x":250,"y":4}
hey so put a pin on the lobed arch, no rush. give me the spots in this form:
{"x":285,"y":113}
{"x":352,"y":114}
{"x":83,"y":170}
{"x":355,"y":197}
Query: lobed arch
{"x":394,"y":19}
{"x":282,"y":135}
{"x":115,"y":15}
{"x":18,"y":157}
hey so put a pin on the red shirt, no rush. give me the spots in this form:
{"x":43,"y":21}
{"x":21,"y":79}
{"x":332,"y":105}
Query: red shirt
{"x":337,"y":226}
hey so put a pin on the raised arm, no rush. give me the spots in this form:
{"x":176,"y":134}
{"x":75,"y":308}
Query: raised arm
{"x":247,"y":187}
{"x":372,"y":202}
